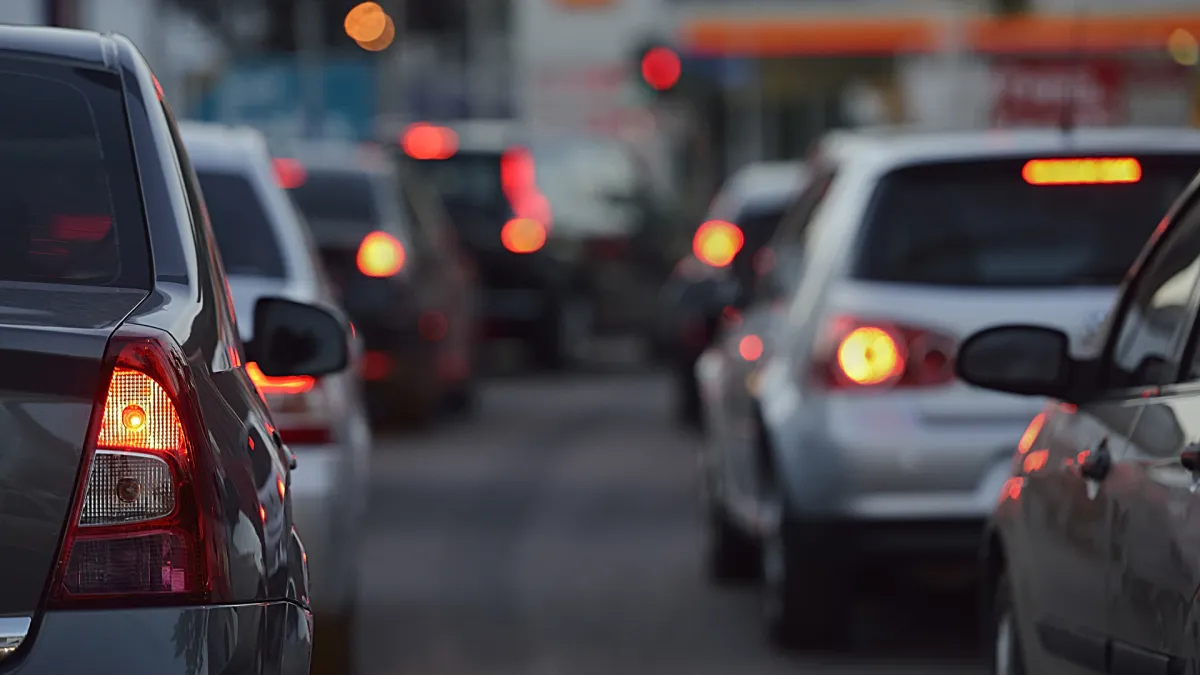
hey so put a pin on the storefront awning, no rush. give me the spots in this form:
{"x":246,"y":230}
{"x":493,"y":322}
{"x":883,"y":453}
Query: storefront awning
{"x":812,"y":36}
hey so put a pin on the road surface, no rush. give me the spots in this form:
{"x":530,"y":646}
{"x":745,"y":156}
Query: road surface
{"x":558,"y":533}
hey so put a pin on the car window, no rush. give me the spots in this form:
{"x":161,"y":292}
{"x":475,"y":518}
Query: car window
{"x":983,"y":223}
{"x":1148,"y":346}
{"x":339,"y":205}
{"x":798,"y":217}
{"x":68,"y":187}
{"x":241,"y":225}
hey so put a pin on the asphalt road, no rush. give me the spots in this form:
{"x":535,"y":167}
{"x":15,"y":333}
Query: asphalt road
{"x":558,"y":532}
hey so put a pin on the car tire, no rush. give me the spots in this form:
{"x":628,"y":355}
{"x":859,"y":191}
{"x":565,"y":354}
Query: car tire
{"x":808,"y":599}
{"x":1006,"y":656}
{"x":733,"y":555}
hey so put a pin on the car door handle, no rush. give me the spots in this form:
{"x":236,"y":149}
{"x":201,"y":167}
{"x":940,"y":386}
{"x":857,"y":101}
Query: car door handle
{"x":1190,"y":457}
{"x":1098,"y":463}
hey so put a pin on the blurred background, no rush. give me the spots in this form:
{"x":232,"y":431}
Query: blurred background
{"x":554,"y":526}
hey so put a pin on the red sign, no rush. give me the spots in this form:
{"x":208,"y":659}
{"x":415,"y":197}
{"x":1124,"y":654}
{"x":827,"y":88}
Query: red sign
{"x":1038,"y":93}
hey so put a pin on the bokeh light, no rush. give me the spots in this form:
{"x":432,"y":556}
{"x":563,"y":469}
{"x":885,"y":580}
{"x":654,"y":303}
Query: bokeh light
{"x":367,"y":22}
{"x":1183,"y":47}
{"x":384,"y":40}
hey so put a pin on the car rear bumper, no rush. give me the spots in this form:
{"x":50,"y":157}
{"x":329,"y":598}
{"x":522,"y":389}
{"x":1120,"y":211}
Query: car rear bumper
{"x":869,"y":460}
{"x":169,"y":641}
{"x":325,"y":509}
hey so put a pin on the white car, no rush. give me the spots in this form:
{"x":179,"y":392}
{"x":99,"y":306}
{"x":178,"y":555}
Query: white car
{"x":266,"y":250}
{"x":842,"y":445}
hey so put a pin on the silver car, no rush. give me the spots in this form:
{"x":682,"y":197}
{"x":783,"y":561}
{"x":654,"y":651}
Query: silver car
{"x":840,"y":436}
{"x":266,"y":251}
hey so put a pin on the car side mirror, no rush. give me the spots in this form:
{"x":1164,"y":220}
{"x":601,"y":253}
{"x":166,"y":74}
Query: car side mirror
{"x":294,"y":338}
{"x":1028,"y":360}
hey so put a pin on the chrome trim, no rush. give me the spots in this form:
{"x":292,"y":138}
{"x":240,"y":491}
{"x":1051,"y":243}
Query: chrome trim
{"x":13,"y":630}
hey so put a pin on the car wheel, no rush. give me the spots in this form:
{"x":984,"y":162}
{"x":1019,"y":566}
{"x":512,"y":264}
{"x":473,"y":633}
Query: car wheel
{"x":1007,"y":657}
{"x":733,"y":555}
{"x":808,"y":602}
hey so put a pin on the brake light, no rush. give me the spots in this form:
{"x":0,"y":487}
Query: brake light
{"x":1082,"y":171}
{"x":426,"y":141}
{"x":523,"y":235}
{"x":856,"y":354}
{"x":289,"y":173}
{"x":717,"y":242}
{"x":268,"y":385}
{"x":380,"y":255}
{"x":139,"y":523}
{"x":1031,"y":433}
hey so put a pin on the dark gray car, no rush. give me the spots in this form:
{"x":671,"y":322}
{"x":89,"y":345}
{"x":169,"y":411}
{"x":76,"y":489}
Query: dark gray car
{"x":145,"y":520}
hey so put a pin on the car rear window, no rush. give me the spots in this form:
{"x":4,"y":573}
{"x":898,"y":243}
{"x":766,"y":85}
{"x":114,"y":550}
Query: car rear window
{"x":241,"y":225}
{"x":468,"y":181}
{"x":68,"y":190}
{"x":980,"y":223}
{"x":338,"y":203}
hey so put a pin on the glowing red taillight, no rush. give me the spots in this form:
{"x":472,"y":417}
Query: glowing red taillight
{"x":717,"y":243}
{"x":299,"y":403}
{"x":856,"y":355}
{"x":138,"y":530}
{"x":380,"y":255}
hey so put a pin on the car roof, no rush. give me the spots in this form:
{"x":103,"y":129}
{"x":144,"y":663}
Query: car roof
{"x":896,"y":146}
{"x":64,"y":44}
{"x":758,"y":183}
{"x":335,"y":155}
{"x":221,"y":146}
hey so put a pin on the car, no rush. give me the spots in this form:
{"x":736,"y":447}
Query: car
{"x":408,"y":287}
{"x":704,"y":284}
{"x":1088,"y":553}
{"x":147,"y":515}
{"x":487,"y":177}
{"x":850,"y":450}
{"x":267,"y":251}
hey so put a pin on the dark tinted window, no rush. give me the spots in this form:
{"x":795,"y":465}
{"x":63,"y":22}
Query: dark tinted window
{"x":758,"y":223}
{"x":241,"y":225}
{"x":339,"y":202}
{"x":468,"y":182}
{"x":68,"y":190}
{"x":981,"y":224}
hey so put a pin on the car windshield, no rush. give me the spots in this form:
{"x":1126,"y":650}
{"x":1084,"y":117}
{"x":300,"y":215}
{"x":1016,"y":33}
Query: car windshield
{"x":243,"y":230}
{"x":339,"y":203}
{"x":68,"y":189}
{"x":981,"y":223}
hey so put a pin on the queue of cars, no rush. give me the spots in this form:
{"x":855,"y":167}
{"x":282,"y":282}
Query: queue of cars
{"x":943,"y":351}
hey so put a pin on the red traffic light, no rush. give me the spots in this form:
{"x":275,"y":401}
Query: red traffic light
{"x":661,"y":68}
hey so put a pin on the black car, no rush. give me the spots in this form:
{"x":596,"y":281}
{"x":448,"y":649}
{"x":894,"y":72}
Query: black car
{"x":705,"y":287}
{"x":528,"y":273}
{"x":386,"y":246}
{"x":145,"y":520}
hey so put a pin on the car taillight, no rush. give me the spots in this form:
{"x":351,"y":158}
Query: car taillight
{"x":856,"y":354}
{"x":299,"y":404}
{"x":380,"y":255}
{"x":139,"y":529}
{"x":717,"y":243}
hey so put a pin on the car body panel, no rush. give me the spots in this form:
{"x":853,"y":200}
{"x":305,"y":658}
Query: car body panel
{"x":63,"y":332}
{"x":328,"y":483}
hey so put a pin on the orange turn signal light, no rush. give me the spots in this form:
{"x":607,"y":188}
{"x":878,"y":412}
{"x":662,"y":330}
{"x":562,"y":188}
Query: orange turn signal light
{"x":1082,"y":171}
